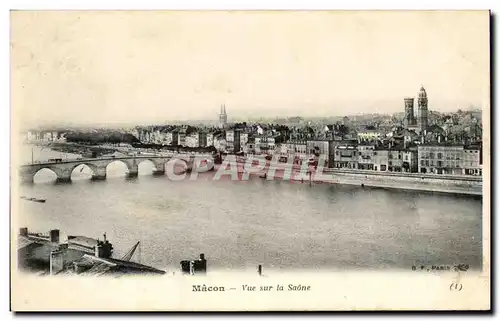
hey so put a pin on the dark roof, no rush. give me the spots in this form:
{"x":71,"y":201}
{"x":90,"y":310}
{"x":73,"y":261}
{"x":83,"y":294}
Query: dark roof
{"x":110,"y":265}
{"x":82,"y":240}
{"x":445,"y":144}
{"x":23,"y":242}
{"x":364,"y":143}
{"x":434,"y":129}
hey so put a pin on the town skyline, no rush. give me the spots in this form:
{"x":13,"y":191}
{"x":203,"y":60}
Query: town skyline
{"x":183,"y":65}
{"x":268,"y":116}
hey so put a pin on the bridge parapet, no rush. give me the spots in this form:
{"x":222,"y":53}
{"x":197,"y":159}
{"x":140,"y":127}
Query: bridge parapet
{"x":64,"y":168}
{"x":158,"y":157}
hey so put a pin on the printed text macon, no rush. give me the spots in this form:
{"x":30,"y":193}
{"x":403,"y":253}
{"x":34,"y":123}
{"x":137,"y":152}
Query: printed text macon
{"x":251,"y":288}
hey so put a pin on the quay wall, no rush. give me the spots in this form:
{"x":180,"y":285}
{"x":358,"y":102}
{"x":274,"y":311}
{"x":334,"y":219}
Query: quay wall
{"x":471,"y":185}
{"x":456,"y":184}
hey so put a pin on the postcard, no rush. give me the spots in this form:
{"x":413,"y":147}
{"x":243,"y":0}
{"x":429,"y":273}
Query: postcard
{"x":250,"y":160}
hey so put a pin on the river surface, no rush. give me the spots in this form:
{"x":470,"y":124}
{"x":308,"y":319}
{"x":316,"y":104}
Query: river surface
{"x":240,"y":224}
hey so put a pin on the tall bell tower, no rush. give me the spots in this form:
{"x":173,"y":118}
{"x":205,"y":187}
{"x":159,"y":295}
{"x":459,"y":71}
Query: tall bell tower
{"x":423,"y":112}
{"x":409,"y":118}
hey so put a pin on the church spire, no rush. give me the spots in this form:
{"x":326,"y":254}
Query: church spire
{"x":222,"y":116}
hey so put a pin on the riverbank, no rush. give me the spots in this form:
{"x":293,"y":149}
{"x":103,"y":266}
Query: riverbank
{"x":98,"y":151}
{"x":456,"y":185}
{"x":465,"y":185}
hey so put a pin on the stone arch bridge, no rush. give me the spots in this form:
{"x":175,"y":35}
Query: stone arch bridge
{"x":64,"y":168}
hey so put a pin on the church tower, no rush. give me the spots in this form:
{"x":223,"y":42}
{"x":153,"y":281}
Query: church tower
{"x":423,"y":119}
{"x":222,"y":116}
{"x":409,"y":119}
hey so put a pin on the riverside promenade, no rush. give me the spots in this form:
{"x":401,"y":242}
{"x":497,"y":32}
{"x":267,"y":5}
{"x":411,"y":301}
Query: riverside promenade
{"x":455,"y":184}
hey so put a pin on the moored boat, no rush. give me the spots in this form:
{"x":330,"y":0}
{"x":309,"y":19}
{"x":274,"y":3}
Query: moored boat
{"x":33,"y":199}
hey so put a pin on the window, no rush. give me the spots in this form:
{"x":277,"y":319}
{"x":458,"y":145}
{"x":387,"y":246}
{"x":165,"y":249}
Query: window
{"x":426,"y":163}
{"x":432,"y":155}
{"x":440,"y":155}
{"x":422,"y":163}
{"x":440,"y":164}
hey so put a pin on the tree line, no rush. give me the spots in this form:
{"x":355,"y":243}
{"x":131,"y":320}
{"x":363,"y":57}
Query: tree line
{"x":101,"y":138}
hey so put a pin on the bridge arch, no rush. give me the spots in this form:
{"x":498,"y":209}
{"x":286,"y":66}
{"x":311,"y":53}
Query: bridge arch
{"x":79,"y":168}
{"x":149,"y":165}
{"x":118,"y":167}
{"x":100,"y":167}
{"x":45,"y":174}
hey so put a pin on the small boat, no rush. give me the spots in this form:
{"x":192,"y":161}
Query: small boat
{"x":33,"y":199}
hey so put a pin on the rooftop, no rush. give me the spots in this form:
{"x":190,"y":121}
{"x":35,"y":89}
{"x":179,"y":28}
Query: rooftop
{"x":111,"y":266}
{"x":23,"y":242}
{"x":82,"y":240}
{"x":442,"y":144}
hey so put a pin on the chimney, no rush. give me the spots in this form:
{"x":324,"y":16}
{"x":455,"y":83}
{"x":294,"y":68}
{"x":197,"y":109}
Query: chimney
{"x":23,"y":231}
{"x":56,"y":261}
{"x":54,"y":236}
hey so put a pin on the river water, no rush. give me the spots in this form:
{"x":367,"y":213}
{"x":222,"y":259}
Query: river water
{"x":240,"y":224}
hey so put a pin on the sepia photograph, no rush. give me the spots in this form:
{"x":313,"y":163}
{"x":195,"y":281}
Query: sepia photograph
{"x":250,"y":160}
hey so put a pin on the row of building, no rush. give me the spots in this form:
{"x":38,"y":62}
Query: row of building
{"x":396,"y":152}
{"x":44,"y":136}
{"x":437,"y":158}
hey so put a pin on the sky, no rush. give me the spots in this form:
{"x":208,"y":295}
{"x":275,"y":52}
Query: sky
{"x":126,"y":66}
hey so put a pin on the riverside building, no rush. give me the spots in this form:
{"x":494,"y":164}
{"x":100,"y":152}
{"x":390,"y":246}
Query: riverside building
{"x":441,"y":159}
